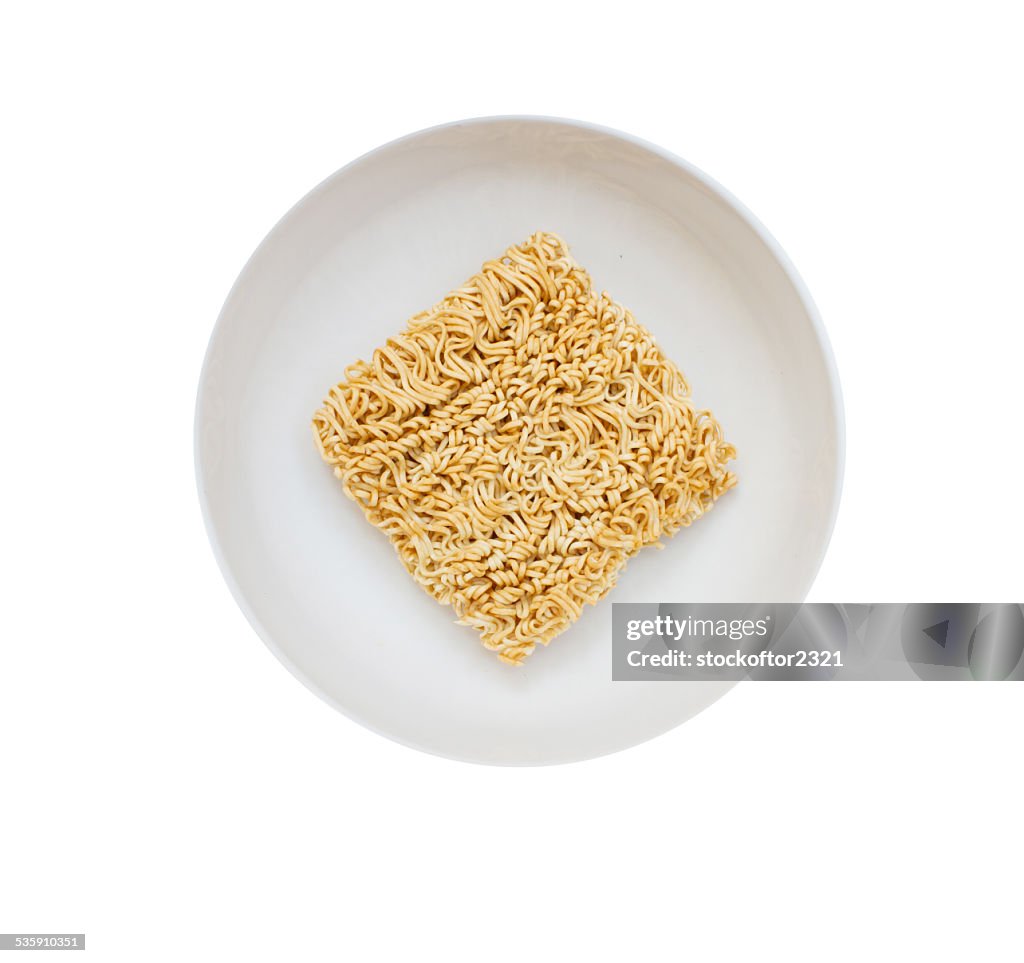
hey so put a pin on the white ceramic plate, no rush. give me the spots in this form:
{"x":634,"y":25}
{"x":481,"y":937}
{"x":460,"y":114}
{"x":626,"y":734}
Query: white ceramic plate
{"x":387,"y":236}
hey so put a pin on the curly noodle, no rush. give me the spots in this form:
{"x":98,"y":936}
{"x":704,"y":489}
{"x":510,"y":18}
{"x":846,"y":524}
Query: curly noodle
{"x":518,"y":442}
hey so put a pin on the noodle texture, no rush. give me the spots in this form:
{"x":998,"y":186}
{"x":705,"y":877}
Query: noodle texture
{"x":520,"y":441}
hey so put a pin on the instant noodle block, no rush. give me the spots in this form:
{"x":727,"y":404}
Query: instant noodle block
{"x":518,"y":442}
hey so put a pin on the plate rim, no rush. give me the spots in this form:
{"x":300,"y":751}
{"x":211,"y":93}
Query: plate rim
{"x":722,"y":193}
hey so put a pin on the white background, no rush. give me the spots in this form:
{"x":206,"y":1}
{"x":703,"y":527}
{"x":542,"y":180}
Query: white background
{"x":163,"y":778}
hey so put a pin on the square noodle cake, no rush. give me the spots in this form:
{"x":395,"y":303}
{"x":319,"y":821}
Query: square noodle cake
{"x":518,"y":442}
